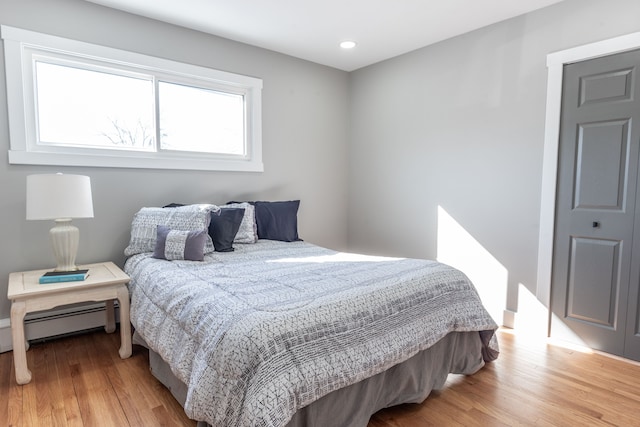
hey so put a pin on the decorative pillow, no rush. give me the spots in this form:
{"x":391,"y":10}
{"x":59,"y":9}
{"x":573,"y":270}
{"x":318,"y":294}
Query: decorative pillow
{"x":224,"y":227}
{"x":247,"y":233}
{"x":184,"y":218}
{"x":277,"y":220}
{"x":176,"y":244}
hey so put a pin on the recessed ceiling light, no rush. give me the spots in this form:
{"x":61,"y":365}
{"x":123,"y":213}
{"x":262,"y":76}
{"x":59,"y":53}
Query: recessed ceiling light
{"x":348,"y":44}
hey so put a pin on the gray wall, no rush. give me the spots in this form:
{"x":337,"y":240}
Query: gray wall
{"x":305,"y":133}
{"x":460,"y":125}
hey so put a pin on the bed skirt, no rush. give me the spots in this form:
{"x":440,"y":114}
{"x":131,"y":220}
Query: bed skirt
{"x":352,"y":406}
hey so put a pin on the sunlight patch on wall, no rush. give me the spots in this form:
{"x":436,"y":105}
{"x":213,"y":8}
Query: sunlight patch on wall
{"x":532,"y":321}
{"x":457,"y":248}
{"x":532,"y":316}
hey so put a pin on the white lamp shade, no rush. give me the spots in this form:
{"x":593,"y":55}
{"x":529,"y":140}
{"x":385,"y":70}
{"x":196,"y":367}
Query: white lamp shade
{"x":59,"y":196}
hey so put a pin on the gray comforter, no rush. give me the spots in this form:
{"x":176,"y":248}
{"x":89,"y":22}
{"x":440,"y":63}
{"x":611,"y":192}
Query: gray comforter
{"x":263,"y":331}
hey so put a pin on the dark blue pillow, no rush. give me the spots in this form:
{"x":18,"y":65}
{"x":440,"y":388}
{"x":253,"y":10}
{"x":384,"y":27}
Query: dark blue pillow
{"x":224,"y":227}
{"x":277,"y":220}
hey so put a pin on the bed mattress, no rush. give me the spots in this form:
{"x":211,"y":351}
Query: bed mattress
{"x":260,"y":333}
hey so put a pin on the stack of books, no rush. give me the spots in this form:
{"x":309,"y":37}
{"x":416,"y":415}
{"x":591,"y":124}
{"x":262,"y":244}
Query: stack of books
{"x":63,"y":276}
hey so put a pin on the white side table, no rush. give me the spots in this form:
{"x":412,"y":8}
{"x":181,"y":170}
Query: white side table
{"x":106,"y":282}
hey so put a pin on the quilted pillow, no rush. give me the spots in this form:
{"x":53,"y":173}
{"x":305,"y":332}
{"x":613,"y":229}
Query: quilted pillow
{"x":184,"y":218}
{"x":247,"y":233}
{"x":179,"y":245}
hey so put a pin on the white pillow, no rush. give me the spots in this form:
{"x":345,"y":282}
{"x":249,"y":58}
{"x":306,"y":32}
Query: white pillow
{"x":248,"y":231}
{"x":184,"y":218}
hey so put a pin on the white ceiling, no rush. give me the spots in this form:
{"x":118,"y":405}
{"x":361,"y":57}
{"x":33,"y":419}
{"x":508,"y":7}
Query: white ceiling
{"x":312,"y":29}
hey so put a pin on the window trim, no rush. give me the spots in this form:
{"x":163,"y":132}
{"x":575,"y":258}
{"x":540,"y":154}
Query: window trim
{"x":20,"y":46}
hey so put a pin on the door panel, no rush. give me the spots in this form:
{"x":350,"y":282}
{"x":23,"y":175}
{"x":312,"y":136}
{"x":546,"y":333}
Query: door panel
{"x":602,"y":152}
{"x":594,"y":281}
{"x":595,"y":263}
{"x":606,"y":87}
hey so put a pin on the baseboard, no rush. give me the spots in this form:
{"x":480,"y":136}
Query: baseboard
{"x":52,"y":323}
{"x":509,"y":319}
{"x":5,"y":335}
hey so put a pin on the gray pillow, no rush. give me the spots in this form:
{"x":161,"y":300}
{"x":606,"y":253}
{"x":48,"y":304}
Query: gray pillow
{"x":179,"y":245}
{"x":184,"y":218}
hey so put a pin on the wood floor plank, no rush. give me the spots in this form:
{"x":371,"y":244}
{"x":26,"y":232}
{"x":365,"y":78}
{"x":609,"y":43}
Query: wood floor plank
{"x":11,"y":407}
{"x":66,"y":389}
{"x":137,"y":391}
{"x":5,"y":384}
{"x":538,"y":384}
{"x":81,"y":381}
{"x":122,"y":382}
{"x":45,"y":398}
{"x":96,"y":398}
{"x":29,"y":394}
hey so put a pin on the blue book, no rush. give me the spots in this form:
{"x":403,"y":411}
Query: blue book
{"x":63,"y":276}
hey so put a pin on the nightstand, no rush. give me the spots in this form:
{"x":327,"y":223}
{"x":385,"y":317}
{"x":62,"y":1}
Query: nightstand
{"x":106,"y":282}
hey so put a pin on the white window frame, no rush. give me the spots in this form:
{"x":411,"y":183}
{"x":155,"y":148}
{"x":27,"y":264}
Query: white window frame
{"x":22,"y":46}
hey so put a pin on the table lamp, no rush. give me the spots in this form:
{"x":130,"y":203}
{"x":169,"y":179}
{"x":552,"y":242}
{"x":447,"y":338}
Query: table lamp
{"x":61,"y":198}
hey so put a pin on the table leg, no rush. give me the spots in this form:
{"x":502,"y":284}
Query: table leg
{"x":110,"y":323}
{"x":18,"y":311}
{"x":125,"y":323}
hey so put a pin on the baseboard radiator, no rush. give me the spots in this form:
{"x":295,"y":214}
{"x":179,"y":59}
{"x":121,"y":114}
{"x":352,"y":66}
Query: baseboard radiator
{"x":51,"y":324}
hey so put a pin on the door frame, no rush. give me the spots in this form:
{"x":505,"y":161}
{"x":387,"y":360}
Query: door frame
{"x":555,"y":66}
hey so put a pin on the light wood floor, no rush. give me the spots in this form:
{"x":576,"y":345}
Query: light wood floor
{"x":81,"y":381}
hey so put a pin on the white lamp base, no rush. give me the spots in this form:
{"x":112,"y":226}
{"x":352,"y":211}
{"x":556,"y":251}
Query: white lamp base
{"x":64,"y":241}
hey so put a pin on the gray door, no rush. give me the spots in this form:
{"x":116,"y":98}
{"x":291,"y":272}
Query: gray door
{"x":596,"y":268}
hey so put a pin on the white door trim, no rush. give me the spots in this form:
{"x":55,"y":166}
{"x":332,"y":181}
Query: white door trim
{"x":555,"y":64}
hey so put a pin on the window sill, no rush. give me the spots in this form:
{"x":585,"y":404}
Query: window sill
{"x":135,"y":162}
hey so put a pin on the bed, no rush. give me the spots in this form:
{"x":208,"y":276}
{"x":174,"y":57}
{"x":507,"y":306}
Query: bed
{"x":281,"y":333}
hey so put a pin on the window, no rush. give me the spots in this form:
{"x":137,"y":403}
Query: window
{"x":73,"y":103}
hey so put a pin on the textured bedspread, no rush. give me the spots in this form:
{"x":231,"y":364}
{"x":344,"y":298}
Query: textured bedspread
{"x":258,"y":333}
